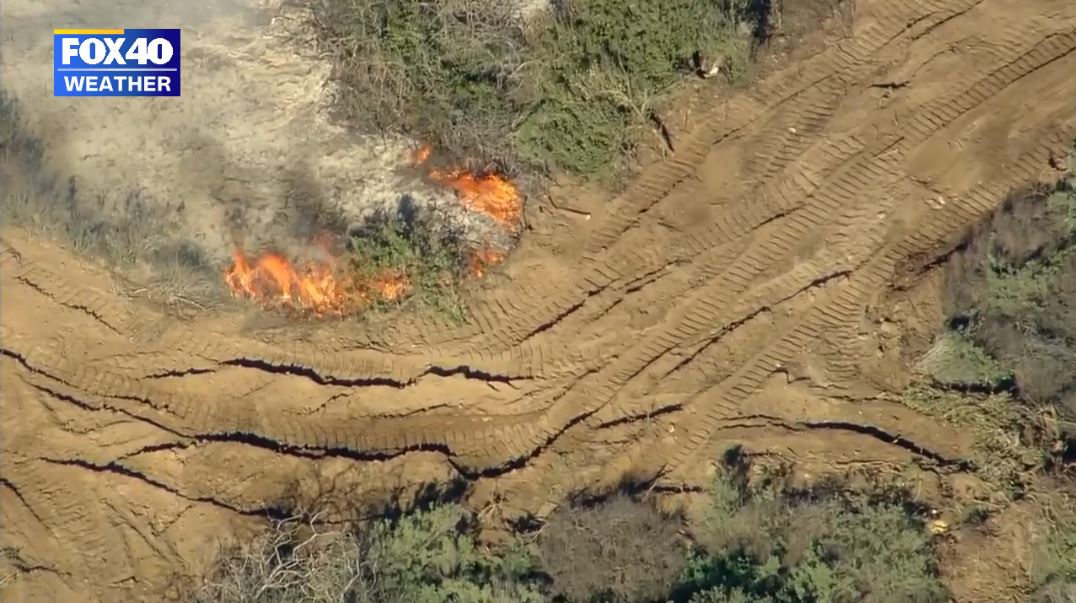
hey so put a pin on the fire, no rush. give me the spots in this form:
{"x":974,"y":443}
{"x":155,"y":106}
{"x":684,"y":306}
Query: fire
{"x":420,"y":155}
{"x":480,"y":259}
{"x":489,"y":193}
{"x":389,"y":285}
{"x":272,"y":280}
{"x":317,"y":287}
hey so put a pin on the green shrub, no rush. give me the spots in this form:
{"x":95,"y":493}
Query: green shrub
{"x":417,"y":247}
{"x":426,"y":557}
{"x":573,"y":89}
{"x":1053,"y":563}
{"x":430,"y":557}
{"x":598,"y":68}
{"x":443,"y":72}
{"x":770,"y":545}
{"x":957,"y":361}
{"x":1014,"y":284}
{"x":728,"y":595}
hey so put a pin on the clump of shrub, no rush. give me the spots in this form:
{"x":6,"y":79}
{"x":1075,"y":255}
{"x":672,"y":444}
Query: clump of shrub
{"x":957,"y":362}
{"x":1012,"y":290}
{"x":768,"y":544}
{"x":443,"y":72}
{"x":619,"y":551}
{"x":598,"y":68}
{"x":759,"y":543}
{"x":572,"y":88}
{"x":1053,"y":562}
{"x":417,"y":247}
{"x":429,"y":556}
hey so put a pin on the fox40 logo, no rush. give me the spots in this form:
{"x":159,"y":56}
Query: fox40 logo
{"x":116,"y":62}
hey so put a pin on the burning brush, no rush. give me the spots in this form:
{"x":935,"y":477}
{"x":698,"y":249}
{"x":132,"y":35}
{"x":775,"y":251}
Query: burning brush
{"x":321,"y":287}
{"x":486,"y":192}
{"x":312,"y":287}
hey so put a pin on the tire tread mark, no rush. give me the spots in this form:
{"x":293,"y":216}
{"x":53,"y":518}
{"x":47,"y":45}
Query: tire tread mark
{"x":824,"y":318}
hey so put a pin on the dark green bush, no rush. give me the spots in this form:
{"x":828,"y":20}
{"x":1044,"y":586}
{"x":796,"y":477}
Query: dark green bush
{"x":770,"y":545}
{"x":418,"y":247}
{"x":426,"y":557}
{"x":1013,"y":286}
{"x":571,"y":89}
{"x":760,"y":544}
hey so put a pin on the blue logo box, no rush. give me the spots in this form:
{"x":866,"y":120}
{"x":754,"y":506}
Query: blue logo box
{"x":116,"y":62}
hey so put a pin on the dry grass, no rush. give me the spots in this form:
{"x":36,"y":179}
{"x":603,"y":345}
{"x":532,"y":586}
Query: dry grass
{"x":291,"y":562}
{"x":1011,"y":442}
{"x":138,"y":238}
{"x":618,"y":551}
{"x":426,"y":557}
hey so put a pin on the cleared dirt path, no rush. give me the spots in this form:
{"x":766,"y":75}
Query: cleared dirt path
{"x":724,"y":298}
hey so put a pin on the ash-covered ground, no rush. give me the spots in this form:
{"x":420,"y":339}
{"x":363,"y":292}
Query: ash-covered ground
{"x":249,"y":155}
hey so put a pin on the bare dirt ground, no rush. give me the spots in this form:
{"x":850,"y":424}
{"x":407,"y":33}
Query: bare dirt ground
{"x":741,"y":291}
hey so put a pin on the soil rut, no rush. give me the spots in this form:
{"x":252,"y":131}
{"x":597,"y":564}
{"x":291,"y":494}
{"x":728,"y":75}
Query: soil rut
{"x":133,"y":442}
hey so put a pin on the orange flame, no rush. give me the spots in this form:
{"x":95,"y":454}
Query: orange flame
{"x":390,"y":286}
{"x":489,"y":193}
{"x":480,"y":259}
{"x":420,"y":155}
{"x":273,"y":281}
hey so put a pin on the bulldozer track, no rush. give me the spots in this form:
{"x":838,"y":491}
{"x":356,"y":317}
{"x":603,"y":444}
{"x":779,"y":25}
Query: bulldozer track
{"x":620,"y":263}
{"x":852,"y":163}
{"x":802,"y":98}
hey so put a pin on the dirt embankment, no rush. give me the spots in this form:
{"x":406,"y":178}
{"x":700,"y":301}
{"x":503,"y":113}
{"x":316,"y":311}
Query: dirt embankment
{"x":724,"y":297}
